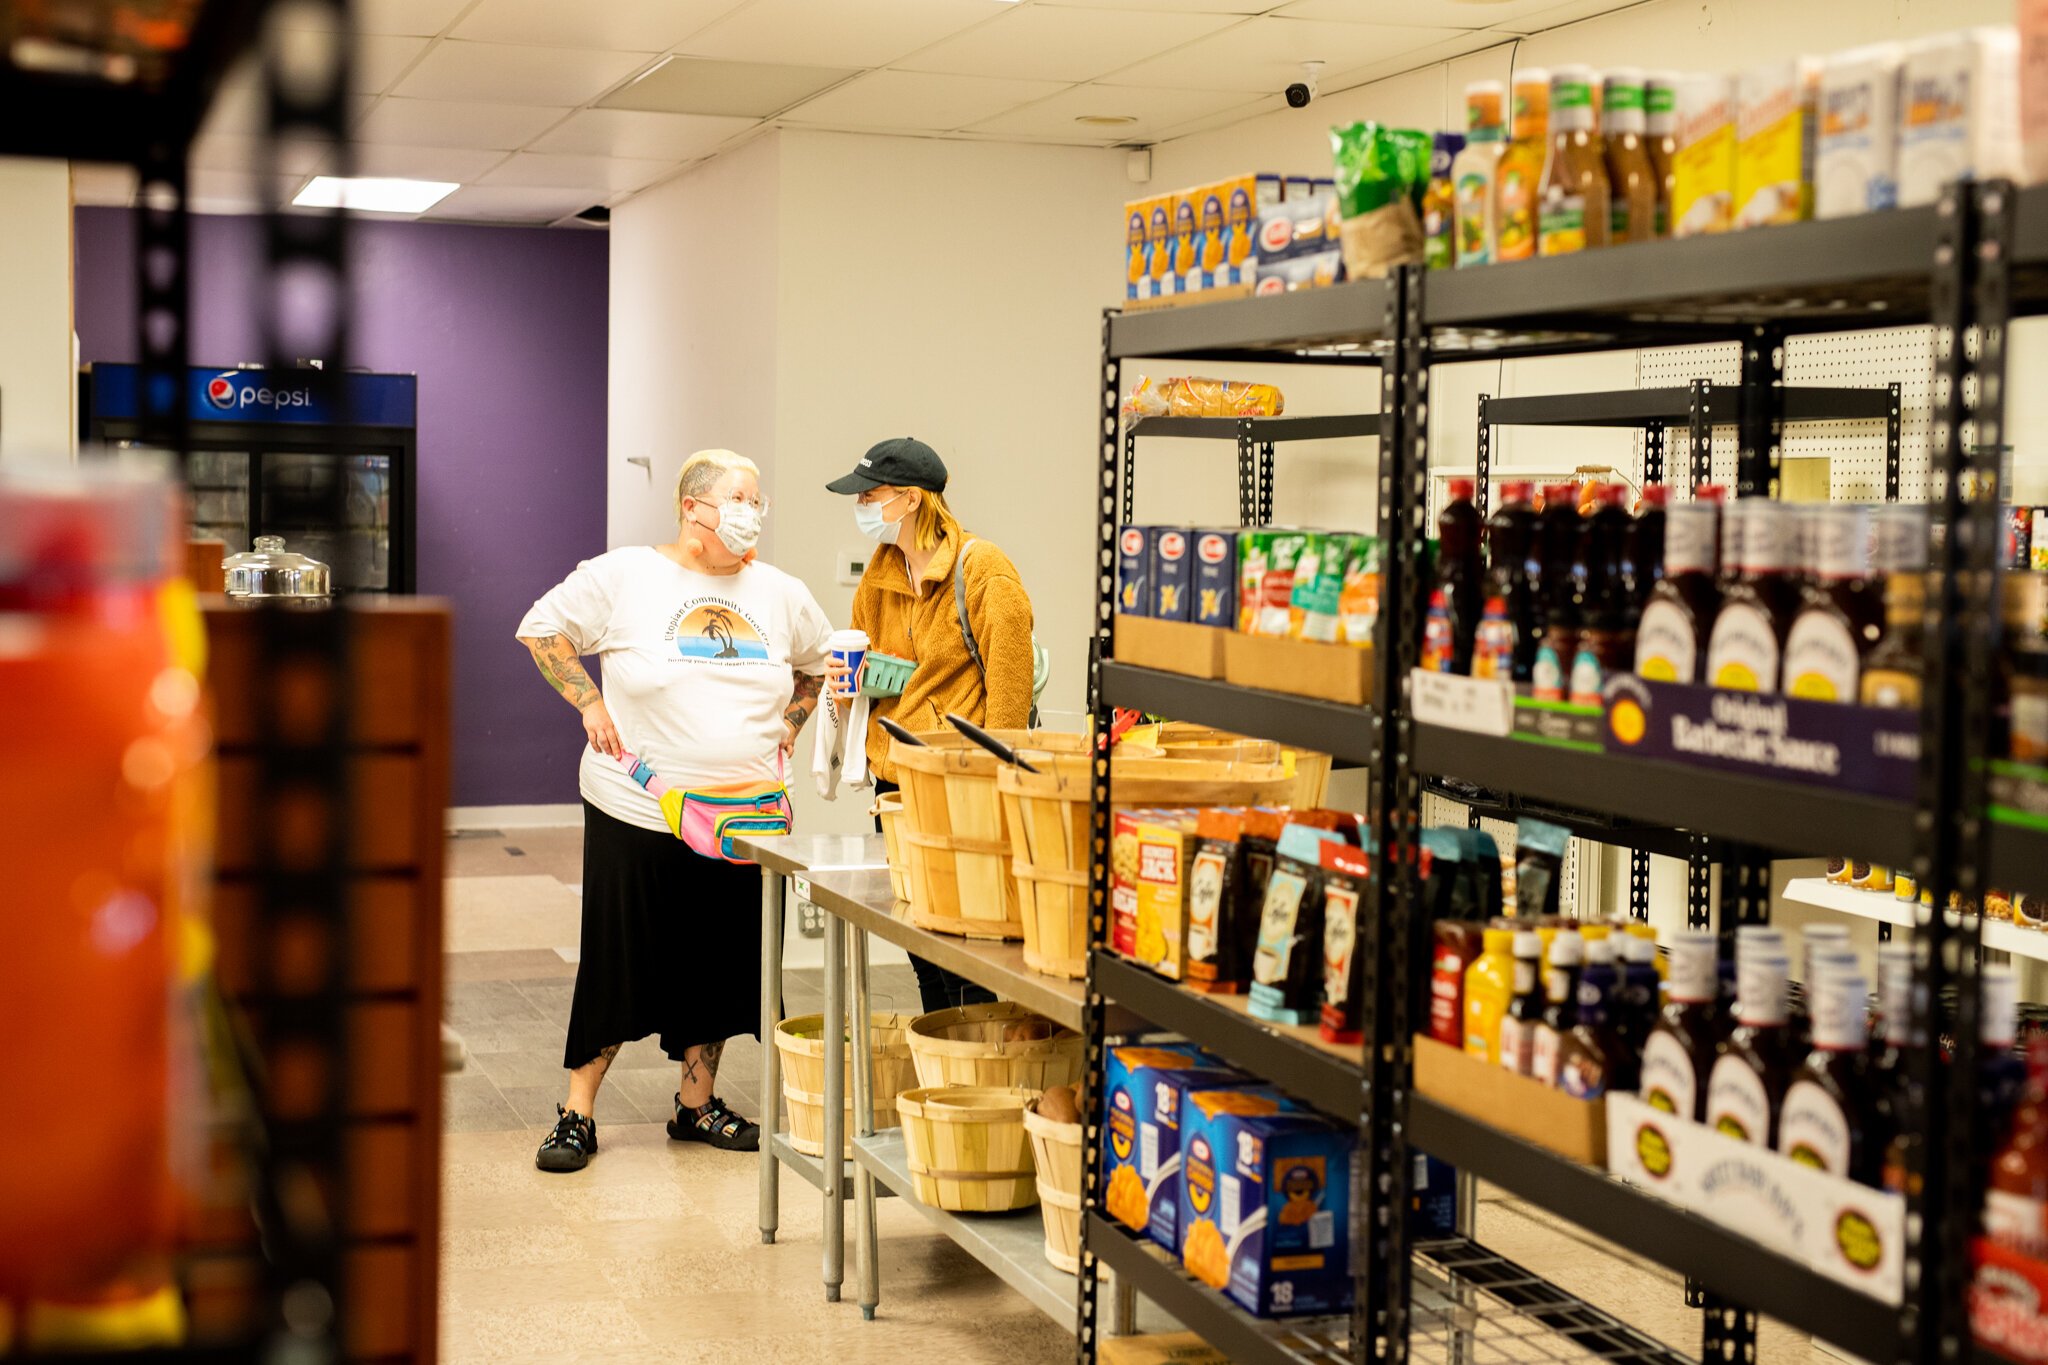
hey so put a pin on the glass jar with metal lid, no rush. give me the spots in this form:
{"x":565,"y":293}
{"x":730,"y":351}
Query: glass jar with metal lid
{"x":271,"y":571}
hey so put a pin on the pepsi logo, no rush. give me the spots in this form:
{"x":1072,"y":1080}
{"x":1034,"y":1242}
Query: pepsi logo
{"x":1172,"y":545}
{"x":1133,"y":541}
{"x":1212,"y":549}
{"x":1275,"y":236}
{"x":220,"y":391}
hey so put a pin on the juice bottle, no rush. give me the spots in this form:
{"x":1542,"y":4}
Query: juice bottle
{"x":1525,"y":1009}
{"x":1642,"y":559}
{"x":1671,"y":637}
{"x":1606,"y":640}
{"x":1573,"y":203}
{"x":1454,"y":602}
{"x":1747,"y":1086}
{"x":1520,"y":173}
{"x":1565,"y":961}
{"x":1829,"y":1115}
{"x":1473,"y":173}
{"x":1842,"y":619}
{"x":1440,"y":203}
{"x":1631,"y":174}
{"x":1679,"y":1053}
{"x":1489,"y":986}
{"x":1660,"y":107}
{"x":102,"y":713}
{"x":1744,"y":653}
{"x":1505,"y":645}
{"x":1557,"y":530}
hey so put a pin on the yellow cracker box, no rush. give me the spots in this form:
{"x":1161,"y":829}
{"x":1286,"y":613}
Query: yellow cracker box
{"x":1165,"y":846}
{"x":1774,"y":128}
{"x":1703,"y":175}
{"x":1159,"y":246}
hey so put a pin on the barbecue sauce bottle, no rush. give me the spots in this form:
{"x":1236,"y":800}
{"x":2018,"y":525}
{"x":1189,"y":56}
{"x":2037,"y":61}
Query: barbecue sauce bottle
{"x":1557,"y":531}
{"x":2016,"y":1202}
{"x":1593,"y":1059}
{"x":1505,"y":646}
{"x":1893,"y":674}
{"x":1747,"y":1085}
{"x":1747,"y":648}
{"x":1606,"y":614}
{"x":1829,"y":1116}
{"x":1561,"y":1003}
{"x":1671,"y":638}
{"x":1454,"y":603}
{"x":1642,"y":549}
{"x":1842,"y":617}
{"x":1679,"y":1054}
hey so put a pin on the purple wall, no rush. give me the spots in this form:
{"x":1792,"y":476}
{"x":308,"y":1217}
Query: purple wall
{"x":506,"y":328}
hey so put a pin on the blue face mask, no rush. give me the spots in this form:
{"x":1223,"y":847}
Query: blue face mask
{"x":868,"y":517}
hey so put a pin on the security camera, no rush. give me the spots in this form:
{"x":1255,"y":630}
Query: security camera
{"x":1304,"y":90}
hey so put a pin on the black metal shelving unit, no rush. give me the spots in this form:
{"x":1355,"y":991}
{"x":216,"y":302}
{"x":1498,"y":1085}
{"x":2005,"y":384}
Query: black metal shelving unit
{"x":90,"y":98}
{"x":1965,"y":267}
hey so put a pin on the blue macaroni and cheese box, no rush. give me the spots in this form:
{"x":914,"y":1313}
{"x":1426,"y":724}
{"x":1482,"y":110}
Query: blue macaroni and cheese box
{"x":1132,"y":1154}
{"x":1265,"y":1205}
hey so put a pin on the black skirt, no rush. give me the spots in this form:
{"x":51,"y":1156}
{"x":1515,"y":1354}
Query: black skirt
{"x":671,"y":943}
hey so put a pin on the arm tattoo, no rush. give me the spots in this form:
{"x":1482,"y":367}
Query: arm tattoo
{"x":805,"y":699}
{"x":558,"y":663}
{"x":707,"y":1058}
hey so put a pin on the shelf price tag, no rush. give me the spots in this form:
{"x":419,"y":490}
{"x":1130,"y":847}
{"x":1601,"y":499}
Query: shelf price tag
{"x":1483,"y":706}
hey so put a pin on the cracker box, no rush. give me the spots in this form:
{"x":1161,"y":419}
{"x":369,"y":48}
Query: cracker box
{"x":1703,"y":172}
{"x":1159,"y":246}
{"x":1127,"y":1105}
{"x":1774,"y":142}
{"x":1137,"y":254}
{"x":1172,"y":574}
{"x":1134,"y":570}
{"x":1265,"y":1210}
{"x":1205,"y":270}
{"x":1215,"y":579}
{"x":1237,"y":257}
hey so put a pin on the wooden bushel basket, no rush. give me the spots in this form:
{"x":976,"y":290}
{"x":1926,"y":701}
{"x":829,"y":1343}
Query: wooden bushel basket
{"x":889,"y":810}
{"x":1056,"y":1154}
{"x":952,"y":830}
{"x":968,"y":1046}
{"x":801,"y":1042}
{"x":968,"y":1149}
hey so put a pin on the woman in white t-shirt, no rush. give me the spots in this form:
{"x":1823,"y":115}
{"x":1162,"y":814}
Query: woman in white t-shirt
{"x":712,"y":663}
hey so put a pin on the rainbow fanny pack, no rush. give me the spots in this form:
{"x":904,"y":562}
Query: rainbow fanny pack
{"x":708,"y":819}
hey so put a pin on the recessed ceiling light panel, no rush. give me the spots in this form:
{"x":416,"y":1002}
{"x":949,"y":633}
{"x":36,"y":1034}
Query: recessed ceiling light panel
{"x":373,"y":194}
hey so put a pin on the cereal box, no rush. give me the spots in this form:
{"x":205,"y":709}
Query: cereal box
{"x":1172,"y":579}
{"x":1134,"y":570}
{"x":1128,"y":1105}
{"x":1265,"y":1205}
{"x":1159,"y":1147}
{"x":1215,"y":579}
{"x":1703,"y":173}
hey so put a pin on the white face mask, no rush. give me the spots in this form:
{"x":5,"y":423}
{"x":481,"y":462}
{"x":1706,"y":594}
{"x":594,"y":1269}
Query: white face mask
{"x":868,"y":517}
{"x":739,"y":526}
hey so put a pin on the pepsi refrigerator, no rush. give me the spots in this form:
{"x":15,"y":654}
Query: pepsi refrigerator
{"x":266,"y":452}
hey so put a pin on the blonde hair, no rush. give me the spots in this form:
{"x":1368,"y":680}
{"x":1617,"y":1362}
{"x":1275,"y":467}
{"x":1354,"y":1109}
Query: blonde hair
{"x":934,"y":518}
{"x":702,"y":471}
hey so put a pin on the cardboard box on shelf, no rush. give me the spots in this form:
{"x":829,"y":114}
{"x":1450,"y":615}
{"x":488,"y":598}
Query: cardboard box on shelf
{"x":1170,"y":646}
{"x":1959,"y":111}
{"x":1161,"y":1348}
{"x":1303,"y":668}
{"x":1774,"y":125}
{"x":1216,"y":579}
{"x":1703,"y":174}
{"x":1137,"y":250}
{"x":1515,"y":1104}
{"x":1857,"y":154}
{"x":1134,"y":570}
{"x":1173,"y":573}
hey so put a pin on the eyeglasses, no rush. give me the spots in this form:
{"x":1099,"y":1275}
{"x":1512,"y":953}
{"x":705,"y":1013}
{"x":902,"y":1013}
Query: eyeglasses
{"x":758,"y":504}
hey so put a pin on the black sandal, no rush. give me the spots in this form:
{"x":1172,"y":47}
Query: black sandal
{"x":571,"y":1145}
{"x":716,"y":1124}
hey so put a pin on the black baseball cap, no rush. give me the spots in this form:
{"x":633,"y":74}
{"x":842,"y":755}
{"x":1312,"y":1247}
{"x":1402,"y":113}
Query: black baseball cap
{"x":900,"y":462}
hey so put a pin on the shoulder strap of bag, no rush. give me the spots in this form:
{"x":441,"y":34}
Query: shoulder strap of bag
{"x":960,"y":606}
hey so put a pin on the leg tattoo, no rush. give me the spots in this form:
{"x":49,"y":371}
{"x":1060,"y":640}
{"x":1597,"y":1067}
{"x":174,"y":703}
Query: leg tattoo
{"x":703,"y":1066}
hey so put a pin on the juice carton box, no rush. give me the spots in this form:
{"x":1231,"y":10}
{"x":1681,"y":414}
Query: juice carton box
{"x":1129,"y":1167}
{"x":1856,"y":158}
{"x":1266,"y":1204}
{"x":1134,"y":570}
{"x":1150,"y":855}
{"x":1159,"y":246}
{"x":1187,"y":267}
{"x":1703,"y":173}
{"x":1137,"y":271}
{"x":1147,"y":1089}
{"x":1358,"y":604}
{"x":1319,"y":585}
{"x":1216,"y":579}
{"x":1172,"y":574}
{"x":1774,"y":124}
{"x":1266,"y":581}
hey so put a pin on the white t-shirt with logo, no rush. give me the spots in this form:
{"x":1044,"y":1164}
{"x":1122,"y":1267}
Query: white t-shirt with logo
{"x":697,"y":668}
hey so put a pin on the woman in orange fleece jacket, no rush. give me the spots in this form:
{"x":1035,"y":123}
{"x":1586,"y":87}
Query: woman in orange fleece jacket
{"x":907,"y":605}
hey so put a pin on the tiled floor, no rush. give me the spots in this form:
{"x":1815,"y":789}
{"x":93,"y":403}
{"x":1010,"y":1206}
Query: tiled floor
{"x":654,"y":1254}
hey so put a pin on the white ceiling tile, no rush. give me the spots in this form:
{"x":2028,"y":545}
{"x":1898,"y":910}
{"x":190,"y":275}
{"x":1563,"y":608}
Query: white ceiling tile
{"x":1265,"y":54}
{"x":837,"y":32}
{"x":511,"y":204}
{"x":1534,"y":16}
{"x":597,"y":174}
{"x":698,"y":85}
{"x":1474,"y":41}
{"x":1155,"y":110}
{"x":418,"y":18}
{"x":380,"y":60}
{"x":517,"y":74}
{"x":1266,"y":104}
{"x":102,"y":185}
{"x":455,"y":123}
{"x":462,"y":165}
{"x":630,"y":132}
{"x":228,"y":191}
{"x":916,"y":99}
{"x":240,"y":152}
{"x":1039,"y":42}
{"x":1174,"y":6}
{"x":622,"y":25}
{"x":1424,"y":13}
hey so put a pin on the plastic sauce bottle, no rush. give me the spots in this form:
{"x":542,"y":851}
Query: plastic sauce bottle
{"x":1558,"y":534}
{"x":1505,"y":645}
{"x":1473,"y":173}
{"x":1642,"y":550}
{"x":1892,"y":674}
{"x":1573,"y":202}
{"x":1635,"y":999}
{"x":1565,"y":962}
{"x":1525,"y":1009}
{"x":2016,"y":1202}
{"x":1631,"y":174}
{"x":1606,"y":638}
{"x":1440,"y":204}
{"x":1842,"y":618}
{"x":1748,"y":644}
{"x":2000,"y":1074}
{"x":1747,"y":1086}
{"x":1660,"y":108}
{"x":1592,"y":1058}
{"x":1679,"y":1053}
{"x":1829,"y":1113}
{"x":1489,"y":986}
{"x":1671,"y":637}
{"x":1454,"y":603}
{"x":1891,"y":1048}
{"x":1520,"y":174}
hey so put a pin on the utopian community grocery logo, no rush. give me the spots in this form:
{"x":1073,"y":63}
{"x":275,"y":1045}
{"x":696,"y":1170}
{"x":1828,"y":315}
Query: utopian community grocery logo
{"x":233,"y":392}
{"x":714,"y":630}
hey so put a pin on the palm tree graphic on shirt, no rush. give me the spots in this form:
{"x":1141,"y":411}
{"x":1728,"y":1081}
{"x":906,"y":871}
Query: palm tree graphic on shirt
{"x":718,"y":626}
{"x":718,"y":632}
